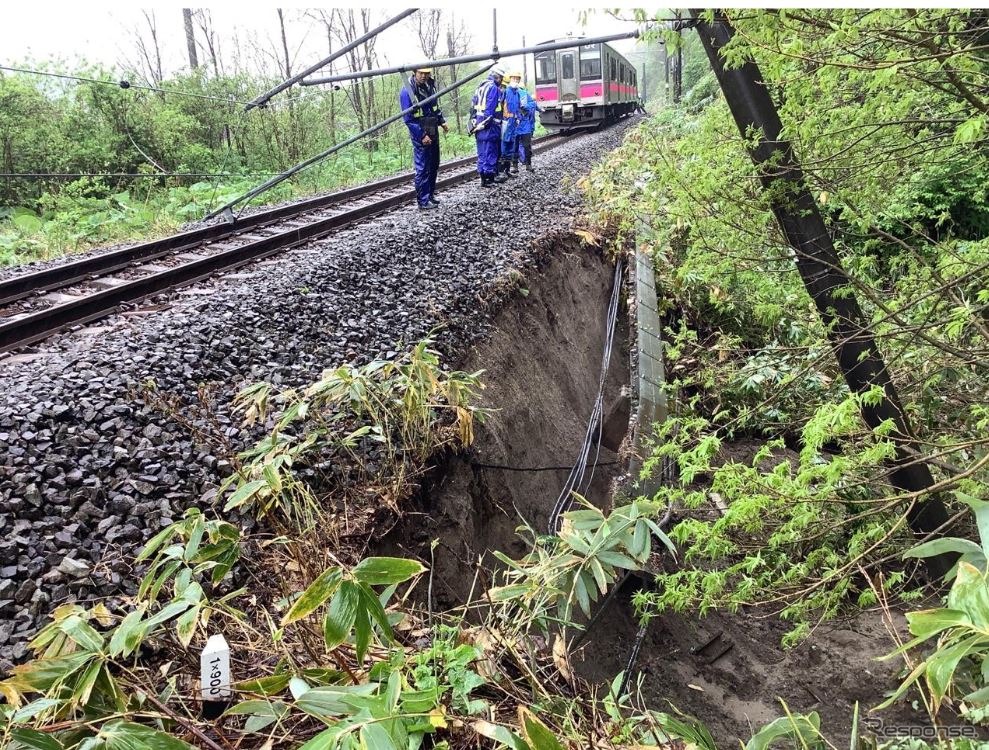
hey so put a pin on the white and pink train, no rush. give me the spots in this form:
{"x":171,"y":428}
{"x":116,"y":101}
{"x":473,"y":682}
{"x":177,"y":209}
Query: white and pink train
{"x":584,"y":86}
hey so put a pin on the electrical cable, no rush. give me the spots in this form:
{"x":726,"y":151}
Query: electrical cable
{"x":227,"y":208}
{"x":575,"y":480}
{"x":123,"y":84}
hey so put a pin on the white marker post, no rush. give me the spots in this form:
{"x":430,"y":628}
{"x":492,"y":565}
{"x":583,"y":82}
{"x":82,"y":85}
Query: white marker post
{"x":214,"y":676}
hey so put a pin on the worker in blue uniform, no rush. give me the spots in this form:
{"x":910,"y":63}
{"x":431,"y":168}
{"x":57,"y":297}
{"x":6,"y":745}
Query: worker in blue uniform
{"x":485,"y":126}
{"x":424,"y":123}
{"x":509,"y":127}
{"x":527,"y":125}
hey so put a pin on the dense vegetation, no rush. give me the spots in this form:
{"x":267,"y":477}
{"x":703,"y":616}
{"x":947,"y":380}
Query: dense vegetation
{"x":887,"y":112}
{"x":188,"y":153}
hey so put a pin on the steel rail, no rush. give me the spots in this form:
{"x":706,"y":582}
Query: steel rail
{"x":85,"y":269}
{"x":38,"y":325}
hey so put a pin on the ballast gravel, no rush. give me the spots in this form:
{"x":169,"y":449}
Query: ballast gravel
{"x":91,"y":468}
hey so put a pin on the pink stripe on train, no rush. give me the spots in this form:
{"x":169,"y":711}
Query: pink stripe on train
{"x":546,"y":93}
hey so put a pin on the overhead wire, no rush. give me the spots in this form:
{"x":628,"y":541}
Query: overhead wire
{"x":123,"y":84}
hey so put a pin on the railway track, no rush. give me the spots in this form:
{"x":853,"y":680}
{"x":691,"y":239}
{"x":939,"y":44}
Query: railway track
{"x":36,"y":305}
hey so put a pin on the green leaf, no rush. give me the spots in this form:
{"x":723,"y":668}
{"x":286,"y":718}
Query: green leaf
{"x":910,"y":680}
{"x":313,"y":597}
{"x":128,"y":633}
{"x":970,"y":593}
{"x":325,"y":740}
{"x":298,"y":687}
{"x":41,"y":674}
{"x":271,"y":685}
{"x":185,"y":626}
{"x":930,"y":622}
{"x":599,"y":577}
{"x":375,"y":737}
{"x":537,"y":734}
{"x":362,"y":632}
{"x":971,"y":552}
{"x":82,"y":633}
{"x":126,"y":735}
{"x":261,"y":713}
{"x":244,"y":493}
{"x":156,"y":542}
{"x":33,"y":709}
{"x":970,"y":130}
{"x":981,"y":510}
{"x":941,"y":665}
{"x":618,"y":560}
{"x":31,"y":738}
{"x":340,"y":615}
{"x":84,"y":688}
{"x":580,"y":591}
{"x":326,"y":703}
{"x":370,"y":604}
{"x":386,"y":570}
{"x":804,"y":730}
{"x":500,"y":734}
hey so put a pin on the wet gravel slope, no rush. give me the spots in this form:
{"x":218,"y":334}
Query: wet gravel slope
{"x":89,"y":470}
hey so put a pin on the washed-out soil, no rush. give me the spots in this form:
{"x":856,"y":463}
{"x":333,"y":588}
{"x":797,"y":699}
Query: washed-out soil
{"x":541,"y":365}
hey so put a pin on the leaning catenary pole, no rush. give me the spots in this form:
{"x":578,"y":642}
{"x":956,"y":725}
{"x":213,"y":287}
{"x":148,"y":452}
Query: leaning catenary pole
{"x":263,"y":98}
{"x":820,"y":268}
{"x":254,"y":192}
{"x":493,"y":55}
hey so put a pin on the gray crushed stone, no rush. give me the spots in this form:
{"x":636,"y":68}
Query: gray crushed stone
{"x":90,"y":469}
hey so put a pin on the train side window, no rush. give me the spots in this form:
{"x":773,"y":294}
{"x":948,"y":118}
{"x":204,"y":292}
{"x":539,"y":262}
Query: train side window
{"x":614,"y":73}
{"x":566,"y":66}
{"x":590,"y":62}
{"x":546,"y":67}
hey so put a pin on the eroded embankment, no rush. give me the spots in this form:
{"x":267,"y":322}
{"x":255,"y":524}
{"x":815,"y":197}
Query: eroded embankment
{"x":542,"y":365}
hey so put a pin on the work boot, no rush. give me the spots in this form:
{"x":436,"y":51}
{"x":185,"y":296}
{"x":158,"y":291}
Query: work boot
{"x":500,"y":178}
{"x":528,"y":168}
{"x":487,"y":180}
{"x":515,"y":167}
{"x":426,"y":206}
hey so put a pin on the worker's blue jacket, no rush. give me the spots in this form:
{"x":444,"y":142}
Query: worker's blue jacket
{"x":486,"y":109}
{"x":512,"y":114}
{"x":527,"y":123}
{"x":413,"y":93}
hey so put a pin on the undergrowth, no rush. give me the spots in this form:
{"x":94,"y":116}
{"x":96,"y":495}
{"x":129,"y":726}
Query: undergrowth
{"x":785,"y":495}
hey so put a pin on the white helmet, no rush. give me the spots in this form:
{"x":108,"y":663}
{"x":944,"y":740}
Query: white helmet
{"x":498,"y":70}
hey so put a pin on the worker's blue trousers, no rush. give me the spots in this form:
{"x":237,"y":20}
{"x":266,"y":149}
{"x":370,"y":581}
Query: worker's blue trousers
{"x":427,"y":164}
{"x":488,"y":150}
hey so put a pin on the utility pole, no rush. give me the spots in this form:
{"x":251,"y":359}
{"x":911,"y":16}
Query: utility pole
{"x":824,"y":277}
{"x":494,"y":21}
{"x":190,"y":38}
{"x":678,"y":64}
{"x":666,"y":74}
{"x":525,"y":67}
{"x":642,"y":88}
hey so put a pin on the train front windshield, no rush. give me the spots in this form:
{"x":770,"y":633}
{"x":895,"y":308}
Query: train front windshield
{"x":590,"y":62}
{"x":546,"y":67}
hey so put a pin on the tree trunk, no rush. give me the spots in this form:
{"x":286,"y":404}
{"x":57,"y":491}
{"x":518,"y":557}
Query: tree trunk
{"x":190,"y":38}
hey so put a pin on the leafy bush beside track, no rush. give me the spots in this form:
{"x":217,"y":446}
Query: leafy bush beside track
{"x":886,"y":110}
